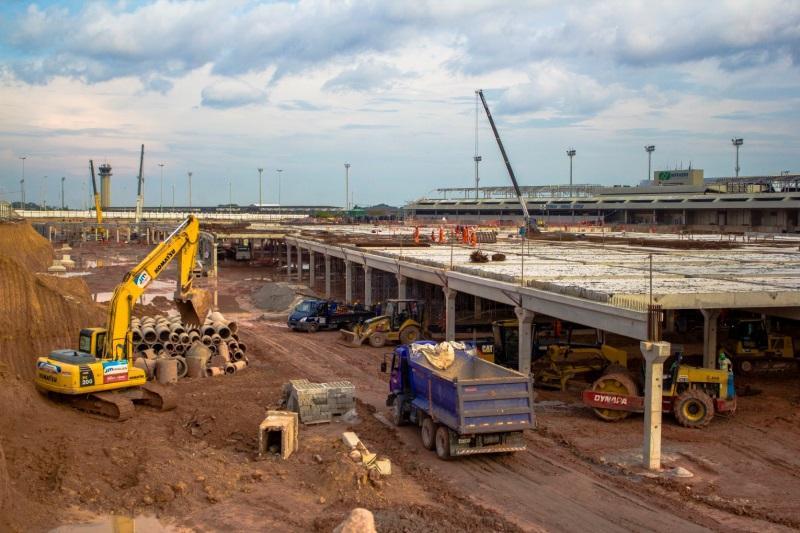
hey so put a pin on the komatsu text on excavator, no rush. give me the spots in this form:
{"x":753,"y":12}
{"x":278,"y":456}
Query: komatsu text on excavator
{"x":99,"y":376}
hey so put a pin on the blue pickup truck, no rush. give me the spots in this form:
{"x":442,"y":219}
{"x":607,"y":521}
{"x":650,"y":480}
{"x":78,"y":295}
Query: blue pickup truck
{"x":471,"y":407}
{"x":314,"y":314}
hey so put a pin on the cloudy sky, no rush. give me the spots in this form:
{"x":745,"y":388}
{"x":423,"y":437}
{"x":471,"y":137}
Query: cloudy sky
{"x":221,"y":88}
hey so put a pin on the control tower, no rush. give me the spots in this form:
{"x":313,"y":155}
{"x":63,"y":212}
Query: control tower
{"x":105,"y":185}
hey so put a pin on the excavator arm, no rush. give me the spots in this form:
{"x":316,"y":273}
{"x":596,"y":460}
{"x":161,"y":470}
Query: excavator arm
{"x":193,"y":304}
{"x":97,"y":208}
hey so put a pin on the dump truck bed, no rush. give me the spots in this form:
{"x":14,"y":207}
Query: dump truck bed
{"x":472,"y":395}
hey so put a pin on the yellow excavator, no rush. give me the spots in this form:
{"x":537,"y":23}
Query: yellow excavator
{"x":99,"y":377}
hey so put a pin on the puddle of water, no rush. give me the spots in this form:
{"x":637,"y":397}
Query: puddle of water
{"x":117,"y":524}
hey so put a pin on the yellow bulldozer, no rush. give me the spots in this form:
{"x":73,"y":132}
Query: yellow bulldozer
{"x":402,"y":321}
{"x":99,"y":377}
{"x":753,"y":348}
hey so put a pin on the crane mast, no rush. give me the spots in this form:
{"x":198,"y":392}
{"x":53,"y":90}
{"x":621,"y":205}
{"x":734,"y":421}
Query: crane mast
{"x":526,"y":215}
{"x":140,"y":190}
{"x":97,"y":207}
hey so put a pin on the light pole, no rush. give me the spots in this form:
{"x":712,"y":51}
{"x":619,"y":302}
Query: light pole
{"x":44,"y":193}
{"x":279,"y":170}
{"x":62,"y":192}
{"x":260,"y":170}
{"x":190,"y":190}
{"x":570,"y":153}
{"x":347,"y":186}
{"x":650,"y":148}
{"x":22,"y":191}
{"x":22,"y":181}
{"x":230,"y":196}
{"x":737,"y":142}
{"x":161,"y":203}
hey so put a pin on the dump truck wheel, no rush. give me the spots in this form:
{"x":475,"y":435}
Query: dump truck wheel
{"x":694,"y":408}
{"x":443,"y":443}
{"x":427,"y":433}
{"x":409,"y":335}
{"x":616,"y":383}
{"x":397,"y":412}
{"x":377,"y":339}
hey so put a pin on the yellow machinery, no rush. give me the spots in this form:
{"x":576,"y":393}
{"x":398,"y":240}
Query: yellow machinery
{"x":98,"y":211}
{"x":554,"y":361}
{"x":753,"y":348}
{"x":402,"y":322}
{"x":100,"y":377}
{"x":693,"y":395}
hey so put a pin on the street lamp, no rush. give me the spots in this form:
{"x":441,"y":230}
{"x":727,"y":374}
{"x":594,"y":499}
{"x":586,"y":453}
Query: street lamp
{"x":161,"y":203}
{"x":279,"y":170}
{"x":737,"y":142}
{"x":650,"y":148}
{"x":22,"y":181}
{"x":260,"y":170}
{"x":347,"y":186}
{"x":44,"y":193}
{"x":190,"y":191}
{"x":62,"y":192}
{"x":570,"y":153}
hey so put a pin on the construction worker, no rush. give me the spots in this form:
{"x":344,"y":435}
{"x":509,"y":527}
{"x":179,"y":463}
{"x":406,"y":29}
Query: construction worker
{"x":724,"y":361}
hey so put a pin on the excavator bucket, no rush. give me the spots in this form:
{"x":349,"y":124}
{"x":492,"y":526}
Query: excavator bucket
{"x":352,"y":338}
{"x":193,"y":306}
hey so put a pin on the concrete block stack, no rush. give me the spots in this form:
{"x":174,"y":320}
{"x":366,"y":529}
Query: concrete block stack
{"x":319,"y":402}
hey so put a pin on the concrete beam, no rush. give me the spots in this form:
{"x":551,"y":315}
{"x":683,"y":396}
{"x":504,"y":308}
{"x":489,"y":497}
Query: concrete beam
{"x":348,"y":281}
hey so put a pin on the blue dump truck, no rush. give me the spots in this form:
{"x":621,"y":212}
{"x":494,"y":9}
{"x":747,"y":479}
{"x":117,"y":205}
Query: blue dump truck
{"x":472,"y":406}
{"x":313,"y":315}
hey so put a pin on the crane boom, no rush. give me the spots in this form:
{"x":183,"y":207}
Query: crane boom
{"x":522,"y":202}
{"x":98,"y":211}
{"x":140,"y":189}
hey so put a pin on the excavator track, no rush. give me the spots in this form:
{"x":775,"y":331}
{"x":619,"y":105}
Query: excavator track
{"x":158,"y":396}
{"x":107,"y":404}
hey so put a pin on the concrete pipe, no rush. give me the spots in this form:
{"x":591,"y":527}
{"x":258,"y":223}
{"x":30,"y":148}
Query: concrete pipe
{"x":157,"y":347}
{"x":136,"y":335}
{"x":149,"y":354}
{"x":149,"y":334}
{"x":169,"y":347}
{"x":142,"y":346}
{"x":235,"y":335}
{"x":206,"y":339}
{"x":194,"y":335}
{"x":213,"y":348}
{"x":216,"y":316}
{"x":232,"y":368}
{"x":224,"y":352}
{"x":199,"y":350}
{"x":184,"y":339}
{"x":208,"y":329}
{"x":167,"y":370}
{"x":148,"y":365}
{"x":174,"y":337}
{"x":180,"y":348}
{"x":163,"y":354}
{"x":178,"y":328}
{"x":147,"y":321}
{"x":243,"y":347}
{"x":214,"y":371}
{"x":221,"y":329}
{"x":237,"y":355}
{"x":195,"y":367}
{"x":233,"y":326}
{"x":183,"y":368}
{"x":163,"y":333}
{"x":216,"y":339}
{"x":232,"y":345}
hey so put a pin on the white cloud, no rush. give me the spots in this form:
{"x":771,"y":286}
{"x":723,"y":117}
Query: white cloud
{"x":231,"y":93}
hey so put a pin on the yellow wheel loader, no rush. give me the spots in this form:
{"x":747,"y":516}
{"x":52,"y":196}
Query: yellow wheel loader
{"x":754,"y":349}
{"x":402,"y":322}
{"x":99,"y":376}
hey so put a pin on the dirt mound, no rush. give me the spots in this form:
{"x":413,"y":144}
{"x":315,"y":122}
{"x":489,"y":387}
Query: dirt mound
{"x":20,"y":241}
{"x":39,"y":313}
{"x":274,"y":297}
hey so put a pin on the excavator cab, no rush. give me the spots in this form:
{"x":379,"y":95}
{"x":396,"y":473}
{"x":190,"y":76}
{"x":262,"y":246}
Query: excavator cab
{"x":92,"y":341}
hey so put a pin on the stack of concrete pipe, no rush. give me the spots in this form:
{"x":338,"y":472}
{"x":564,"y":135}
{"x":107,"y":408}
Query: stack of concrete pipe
{"x":210,"y":350}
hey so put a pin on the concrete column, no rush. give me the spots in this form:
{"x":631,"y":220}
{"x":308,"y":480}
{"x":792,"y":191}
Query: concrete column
{"x":215,"y":270}
{"x":348,"y":281}
{"x":449,"y":313}
{"x":299,"y":264}
{"x":477,"y":307}
{"x":117,"y":235}
{"x":655,"y":353}
{"x":367,"y":286}
{"x":525,"y":334}
{"x":288,"y":261}
{"x":327,"y":276}
{"x":312,"y":265}
{"x":711,"y":317}
{"x":402,"y":285}
{"x":129,"y":234}
{"x":669,"y":321}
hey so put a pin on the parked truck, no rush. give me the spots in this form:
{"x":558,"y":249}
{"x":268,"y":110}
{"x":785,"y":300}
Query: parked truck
{"x":314,"y":314}
{"x":472,"y":406}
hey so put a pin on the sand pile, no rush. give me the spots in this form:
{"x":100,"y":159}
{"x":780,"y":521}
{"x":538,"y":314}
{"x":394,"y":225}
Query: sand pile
{"x":275,"y":297}
{"x":38,"y":312}
{"x":20,"y":241}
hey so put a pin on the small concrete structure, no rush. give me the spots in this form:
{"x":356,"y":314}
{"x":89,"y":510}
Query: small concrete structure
{"x":56,"y":267}
{"x":319,"y":402}
{"x":654,"y":353}
{"x":278,"y":430}
{"x":67,"y":261}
